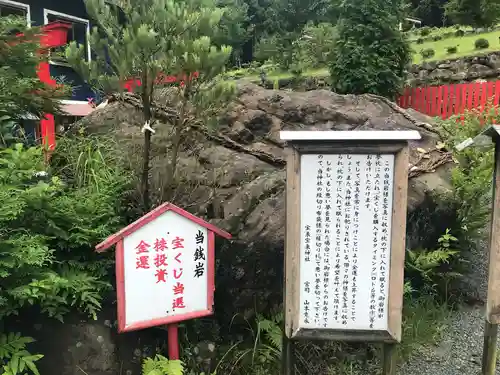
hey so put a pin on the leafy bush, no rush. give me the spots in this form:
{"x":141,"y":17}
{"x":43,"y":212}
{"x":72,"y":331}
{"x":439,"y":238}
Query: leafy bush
{"x":471,"y":179}
{"x":50,"y":222}
{"x":451,"y":50}
{"x":459,"y":33}
{"x":420,"y":41}
{"x":425,"y":31}
{"x":15,"y":357}
{"x":314,"y":45}
{"x":437,"y":37}
{"x":274,"y":49}
{"x":427,"y":53}
{"x":436,"y":260}
{"x":370,"y":55}
{"x":431,"y":271}
{"x":481,"y":43}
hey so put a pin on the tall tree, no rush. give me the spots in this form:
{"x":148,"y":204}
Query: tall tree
{"x":475,"y":13}
{"x":370,"y":54}
{"x":146,"y":38}
{"x":235,"y":28}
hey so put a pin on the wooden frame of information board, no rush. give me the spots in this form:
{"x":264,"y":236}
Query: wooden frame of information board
{"x":368,"y":143}
{"x":491,"y":137}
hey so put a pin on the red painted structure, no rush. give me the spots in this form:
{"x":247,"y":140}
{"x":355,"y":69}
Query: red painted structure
{"x":449,"y":100}
{"x":54,"y":35}
{"x":118,"y":239}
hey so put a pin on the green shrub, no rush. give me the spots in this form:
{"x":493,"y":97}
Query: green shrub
{"x":369,"y":57}
{"x":420,"y":41}
{"x":459,"y":33}
{"x":427,"y":53}
{"x":313,"y":47}
{"x":425,"y":31}
{"x":451,"y":50}
{"x":437,"y":37}
{"x":481,"y":43}
{"x":432,"y":271}
{"x":14,"y":356}
{"x":50,"y":224}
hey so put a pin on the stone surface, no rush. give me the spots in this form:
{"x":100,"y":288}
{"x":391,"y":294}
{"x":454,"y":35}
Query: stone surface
{"x":464,"y":69}
{"x":235,"y":178}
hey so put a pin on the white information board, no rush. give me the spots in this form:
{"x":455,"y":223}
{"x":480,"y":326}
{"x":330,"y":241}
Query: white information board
{"x":165,"y":269}
{"x":345,"y":241}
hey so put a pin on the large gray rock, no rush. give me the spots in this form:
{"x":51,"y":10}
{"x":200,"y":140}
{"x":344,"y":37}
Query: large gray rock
{"x":236,"y":176}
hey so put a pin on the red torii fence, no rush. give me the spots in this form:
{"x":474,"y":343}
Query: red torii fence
{"x":449,"y":100}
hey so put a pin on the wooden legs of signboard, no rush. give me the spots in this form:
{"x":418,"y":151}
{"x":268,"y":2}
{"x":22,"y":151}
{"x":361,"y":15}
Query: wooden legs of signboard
{"x":490,"y":348}
{"x":173,"y":341}
{"x":389,"y":359}
{"x":287,"y":356}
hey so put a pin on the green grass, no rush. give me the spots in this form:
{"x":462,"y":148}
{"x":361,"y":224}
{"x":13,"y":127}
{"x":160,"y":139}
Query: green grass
{"x":465,"y":46}
{"x":424,"y":322}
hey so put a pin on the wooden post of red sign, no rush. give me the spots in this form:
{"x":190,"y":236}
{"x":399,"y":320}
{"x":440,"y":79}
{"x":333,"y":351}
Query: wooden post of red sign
{"x":173,"y":341}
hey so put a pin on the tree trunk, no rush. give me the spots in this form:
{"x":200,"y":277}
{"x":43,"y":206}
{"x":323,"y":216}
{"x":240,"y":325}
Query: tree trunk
{"x":145,"y":171}
{"x":146,"y":101}
{"x":169,"y":190}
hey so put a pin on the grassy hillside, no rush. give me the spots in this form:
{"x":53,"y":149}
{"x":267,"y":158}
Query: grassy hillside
{"x":464,"y":44}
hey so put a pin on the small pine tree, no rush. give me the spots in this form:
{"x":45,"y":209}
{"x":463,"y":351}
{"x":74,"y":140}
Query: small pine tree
{"x":370,"y":54}
{"x":146,"y":38}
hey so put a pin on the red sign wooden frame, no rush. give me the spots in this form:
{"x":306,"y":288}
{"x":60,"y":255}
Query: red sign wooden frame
{"x":118,"y":238}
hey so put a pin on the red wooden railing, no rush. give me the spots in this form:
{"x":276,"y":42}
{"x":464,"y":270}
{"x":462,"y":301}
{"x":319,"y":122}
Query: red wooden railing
{"x":449,"y":100}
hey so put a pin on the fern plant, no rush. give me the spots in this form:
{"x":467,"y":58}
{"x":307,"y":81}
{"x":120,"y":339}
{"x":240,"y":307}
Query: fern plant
{"x":160,"y":365}
{"x":14,"y":356}
{"x":263,"y":355}
{"x":431,"y":268}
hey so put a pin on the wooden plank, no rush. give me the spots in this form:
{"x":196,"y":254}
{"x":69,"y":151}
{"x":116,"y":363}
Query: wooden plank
{"x":419,"y":104}
{"x":483,"y":96}
{"x":292,"y":242}
{"x":491,"y":87}
{"x":458,"y":100}
{"x":396,"y":281}
{"x":434,"y":100}
{"x":465,"y":97}
{"x":477,"y":94}
{"x":359,"y":147}
{"x":453,"y":100}
{"x":493,"y":297}
{"x":444,"y":110}
{"x":496,"y":100}
{"x":346,"y":336}
{"x":470,"y":97}
{"x":389,"y":359}
{"x":413,"y":96}
{"x":489,"y":362}
{"x":288,"y":356}
{"x":439,"y":101}
{"x":428,"y":101}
